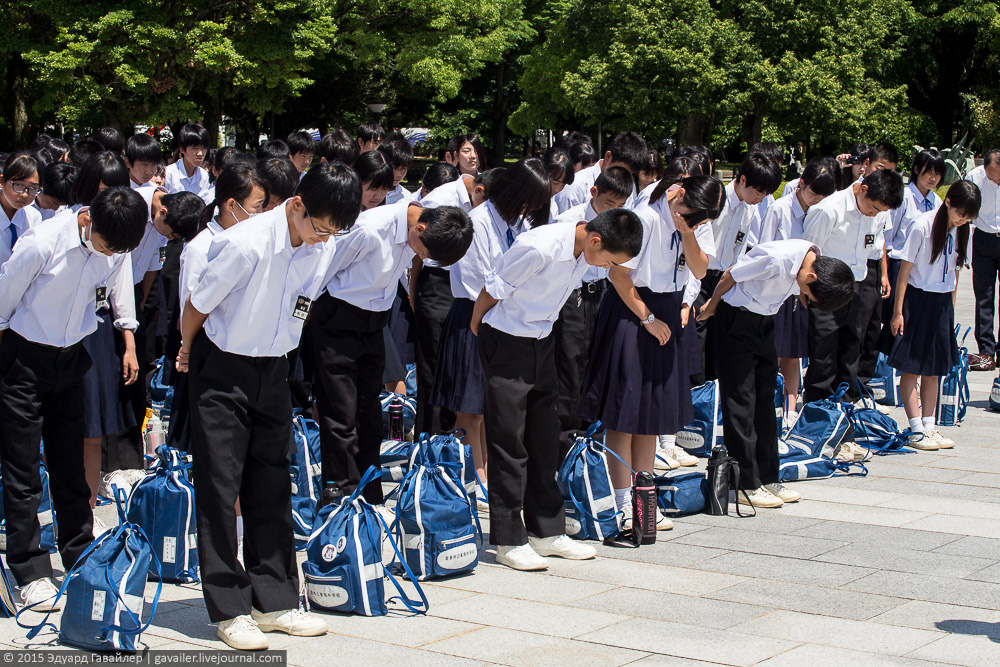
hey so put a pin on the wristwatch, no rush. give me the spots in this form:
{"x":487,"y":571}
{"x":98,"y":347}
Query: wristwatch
{"x":648,"y":320}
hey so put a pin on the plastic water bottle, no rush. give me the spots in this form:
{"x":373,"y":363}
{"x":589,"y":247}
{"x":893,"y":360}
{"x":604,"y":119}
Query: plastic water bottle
{"x":396,"y":428}
{"x":643,"y":508}
{"x":155,"y":434}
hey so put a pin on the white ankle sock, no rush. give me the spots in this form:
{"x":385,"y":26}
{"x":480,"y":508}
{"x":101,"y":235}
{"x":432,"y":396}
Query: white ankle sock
{"x":916,"y":425}
{"x":668,"y":441}
{"x":623,"y":497}
{"x":928,"y":424}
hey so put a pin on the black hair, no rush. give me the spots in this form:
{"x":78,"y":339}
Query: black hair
{"x":111,"y":139}
{"x":272,"y":148}
{"x":487,"y":179}
{"x":370,"y":131}
{"x":55,"y":151}
{"x":821,"y":175}
{"x":222,"y":158}
{"x":615,"y":180}
{"x":576,"y":137}
{"x":280,"y":175}
{"x":884,"y":151}
{"x":448,"y":233}
{"x":338,"y":146}
{"x":21,"y":164}
{"x":769,"y":149}
{"x":455,"y":146}
{"x":193,"y":134}
{"x":232,"y":156}
{"x":300,"y":142}
{"x":630,"y":149}
{"x":332,"y":189}
{"x":991,"y":156}
{"x":82,"y":150}
{"x":885,"y":186}
{"x":107,"y":168}
{"x":761,"y":172}
{"x":834,"y":286}
{"x":208,"y":162}
{"x":58,"y":179}
{"x":398,"y":151}
{"x":184,"y":212}
{"x":654,"y":164}
{"x":559,"y":165}
{"x":143,"y":147}
{"x":119,"y":215}
{"x":40,"y":141}
{"x":438,"y":174}
{"x":374,"y":170}
{"x":583,"y":154}
{"x":963,"y":196}
{"x":236,"y":181}
{"x":562,"y":142}
{"x":523,"y":189}
{"x":620,"y":230}
{"x":699,"y":153}
{"x":676,"y":171}
{"x":931,"y":159}
{"x":3,"y":161}
{"x":705,"y":196}
{"x":859,"y":152}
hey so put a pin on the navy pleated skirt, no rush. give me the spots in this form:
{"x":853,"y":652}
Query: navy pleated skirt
{"x":633,"y":384}
{"x":791,"y":330}
{"x":927,"y":346}
{"x":107,"y":409}
{"x":402,"y":328}
{"x":458,"y":378}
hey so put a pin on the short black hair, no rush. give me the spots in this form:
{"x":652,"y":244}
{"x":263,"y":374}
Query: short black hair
{"x":559,"y":165}
{"x":991,"y":156}
{"x":523,"y":189}
{"x":616,"y":181}
{"x":58,"y":179}
{"x":439,"y":174}
{"x":225,"y":158}
{"x":374,"y":170}
{"x":56,"y":150}
{"x":338,"y":146}
{"x":654,"y":164}
{"x":677,"y":170}
{"x":620,"y":230}
{"x":184,"y":213}
{"x":769,"y":149}
{"x":931,"y":159}
{"x":762,"y":173}
{"x":576,"y":137}
{"x":398,"y":150}
{"x":885,"y":186}
{"x":884,"y":151}
{"x":193,"y":134}
{"x":281,"y":176}
{"x":21,"y":164}
{"x":236,"y":181}
{"x":448,"y":233}
{"x":143,"y":147}
{"x":300,"y":142}
{"x":272,"y":148}
{"x":106,"y":167}
{"x":705,"y":196}
{"x":582,"y":153}
{"x":371,"y":131}
{"x":332,"y":189}
{"x":629,"y":148}
{"x":119,"y":214}
{"x":83,"y":149}
{"x":834,"y":286}
{"x":700,"y":153}
{"x":40,"y":141}
{"x":487,"y":179}
{"x":111,"y":139}
{"x":822,"y":175}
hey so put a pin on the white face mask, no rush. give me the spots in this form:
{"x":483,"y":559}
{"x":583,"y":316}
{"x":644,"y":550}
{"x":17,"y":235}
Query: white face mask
{"x":87,"y":241}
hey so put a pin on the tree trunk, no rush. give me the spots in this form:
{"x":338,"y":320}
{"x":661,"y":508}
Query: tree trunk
{"x":499,"y":119}
{"x":752,"y":125}
{"x":19,"y":107}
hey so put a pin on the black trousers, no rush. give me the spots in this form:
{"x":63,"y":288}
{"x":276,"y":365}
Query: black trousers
{"x":349,"y":357}
{"x":522,"y":431}
{"x":41,"y":398}
{"x":433,"y":300}
{"x":572,"y":334}
{"x":834,"y":349}
{"x":870,"y":318}
{"x":748,"y":368}
{"x":706,"y":329}
{"x":985,"y":271}
{"x":240,"y":429}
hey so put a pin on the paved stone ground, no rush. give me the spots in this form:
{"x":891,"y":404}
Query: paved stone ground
{"x":898,"y":568}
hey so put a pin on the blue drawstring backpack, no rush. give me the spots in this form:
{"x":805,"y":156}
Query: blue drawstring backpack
{"x":682,"y":494}
{"x":161,"y":395}
{"x":809,"y":449}
{"x":409,"y":413}
{"x":306,"y":472}
{"x":705,"y":432}
{"x":162,"y":504}
{"x":394,"y":459}
{"x":953,"y":388}
{"x":995,"y":395}
{"x":448,"y":450}
{"x":343,"y":570}
{"x":874,"y":430}
{"x":104,"y":591}
{"x":46,"y":515}
{"x":437,"y":526}
{"x":885,"y":383}
{"x":587,"y":491}
{"x":411,"y":381}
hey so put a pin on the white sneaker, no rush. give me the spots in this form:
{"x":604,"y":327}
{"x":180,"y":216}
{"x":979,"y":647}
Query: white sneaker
{"x":783,"y":492}
{"x":762,"y":498}
{"x":662,"y":522}
{"x":922,"y":442}
{"x":242,"y":633}
{"x":562,"y":546}
{"x":290,"y":621}
{"x":521,"y":557}
{"x":123,"y":479}
{"x":884,"y":409}
{"x":482,"y":506}
{"x":941,"y":439}
{"x":99,"y":527}
{"x":664,"y":460}
{"x":683,"y":458}
{"x":43,"y":593}
{"x":788,"y":419}
{"x":388,"y":515}
{"x":626,"y":511}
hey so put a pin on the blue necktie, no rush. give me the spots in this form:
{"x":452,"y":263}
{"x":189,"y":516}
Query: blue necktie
{"x":927,"y":204}
{"x":510,"y":237}
{"x":949,"y":245}
{"x":13,"y":236}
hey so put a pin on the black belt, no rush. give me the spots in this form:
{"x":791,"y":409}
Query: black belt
{"x":593,"y":287}
{"x":983,"y":231}
{"x":436,"y":271}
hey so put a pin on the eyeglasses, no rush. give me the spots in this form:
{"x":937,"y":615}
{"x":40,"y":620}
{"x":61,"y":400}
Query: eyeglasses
{"x":322,"y":233}
{"x":21,"y":188}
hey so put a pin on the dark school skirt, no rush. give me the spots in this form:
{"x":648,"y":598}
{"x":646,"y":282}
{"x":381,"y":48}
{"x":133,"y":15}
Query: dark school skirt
{"x":106,"y":402}
{"x":458,"y":378}
{"x":633,"y":384}
{"x":927,"y":346}
{"x":791,"y":330}
{"x":689,"y":339}
{"x":402,"y":328}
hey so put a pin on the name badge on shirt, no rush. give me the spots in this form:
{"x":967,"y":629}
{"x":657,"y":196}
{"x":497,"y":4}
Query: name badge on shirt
{"x":102,"y":297}
{"x":869,"y":240}
{"x":739,"y":238}
{"x":302,"y":306}
{"x":163,"y":254}
{"x":681,"y":262}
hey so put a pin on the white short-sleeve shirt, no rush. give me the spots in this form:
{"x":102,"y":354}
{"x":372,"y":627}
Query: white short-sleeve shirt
{"x":765,"y":275}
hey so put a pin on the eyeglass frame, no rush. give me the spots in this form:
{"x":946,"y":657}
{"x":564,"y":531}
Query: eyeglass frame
{"x":14,"y":185}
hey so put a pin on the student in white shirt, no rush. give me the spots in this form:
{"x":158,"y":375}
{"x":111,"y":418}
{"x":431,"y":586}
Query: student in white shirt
{"x":265,"y":272}
{"x":466,"y":151}
{"x":519,"y":197}
{"x":627,"y":150}
{"x":58,"y":179}
{"x":370,"y":136}
{"x":186,"y":173}
{"x":19,"y":186}
{"x":338,"y":146}
{"x":142,"y":156}
{"x":745,"y":301}
{"x":638,"y":381}
{"x":986,"y":257}
{"x":846,"y":226}
{"x":375,"y":173}
{"x":920,"y":339}
{"x":513,"y":319}
{"x":301,"y":150}
{"x":583,"y":155}
{"x":773,"y":151}
{"x":48,"y":296}
{"x":400,"y":154}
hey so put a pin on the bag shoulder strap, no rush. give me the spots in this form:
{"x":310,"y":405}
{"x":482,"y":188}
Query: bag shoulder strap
{"x":417,"y":607}
{"x":154,"y":561}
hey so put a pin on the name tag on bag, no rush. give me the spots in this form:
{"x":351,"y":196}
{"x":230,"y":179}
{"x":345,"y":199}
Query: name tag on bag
{"x":102,"y":297}
{"x":302,"y":306}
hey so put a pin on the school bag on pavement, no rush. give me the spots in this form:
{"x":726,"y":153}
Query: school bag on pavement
{"x":161,"y":395}
{"x":46,"y":515}
{"x":307,"y":476}
{"x":394,"y":459}
{"x":343,"y":569}
{"x":995,"y":395}
{"x":875,"y":431}
{"x":953,"y":388}
{"x":682,"y":494}
{"x":809,"y":449}
{"x":885,"y":383}
{"x":449,"y":450}
{"x":587,"y":491}
{"x":705,"y":432}
{"x":162,"y":504}
{"x":104,"y":591}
